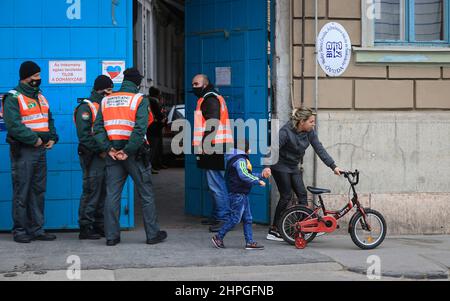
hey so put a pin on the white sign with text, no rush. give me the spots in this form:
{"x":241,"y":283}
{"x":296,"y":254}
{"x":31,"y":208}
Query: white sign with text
{"x":67,"y":72}
{"x":334,"y":49}
{"x":114,"y":69}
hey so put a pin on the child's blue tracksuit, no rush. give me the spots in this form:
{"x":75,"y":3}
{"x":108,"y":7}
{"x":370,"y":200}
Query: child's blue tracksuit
{"x":239,"y":181}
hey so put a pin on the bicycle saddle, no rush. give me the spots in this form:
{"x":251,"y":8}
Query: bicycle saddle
{"x":318,"y":191}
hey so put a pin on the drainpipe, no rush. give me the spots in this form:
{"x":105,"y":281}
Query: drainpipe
{"x":316,"y":89}
{"x":302,"y":95}
{"x":291,"y":43}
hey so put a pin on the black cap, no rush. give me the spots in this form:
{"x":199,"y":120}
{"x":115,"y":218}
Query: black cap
{"x":103,"y":82}
{"x":28,"y":69}
{"x":133,"y":75}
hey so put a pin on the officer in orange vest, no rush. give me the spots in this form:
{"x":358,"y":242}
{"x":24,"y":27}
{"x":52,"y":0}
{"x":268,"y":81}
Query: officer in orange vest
{"x":92,"y":161}
{"x":212,"y":138}
{"x":31,"y":133}
{"x":120,"y":128}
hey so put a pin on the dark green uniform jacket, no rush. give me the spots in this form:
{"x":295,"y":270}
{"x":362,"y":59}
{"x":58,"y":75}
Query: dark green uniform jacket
{"x":13,"y":119}
{"x":137,"y":136}
{"x":84,"y":123}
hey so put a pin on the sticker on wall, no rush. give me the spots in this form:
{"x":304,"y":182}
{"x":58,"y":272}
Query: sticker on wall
{"x":67,"y":72}
{"x":223,"y":76}
{"x":334,"y":49}
{"x":114,"y":69}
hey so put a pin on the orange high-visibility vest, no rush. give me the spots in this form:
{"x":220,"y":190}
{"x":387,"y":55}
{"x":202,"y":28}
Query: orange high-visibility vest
{"x":223,"y":134}
{"x":151,"y":118}
{"x":119,"y":113}
{"x":93,"y":106}
{"x":34,"y":113}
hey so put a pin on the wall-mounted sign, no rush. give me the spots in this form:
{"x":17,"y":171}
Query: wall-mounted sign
{"x":223,"y":76}
{"x":334,"y":49}
{"x":67,"y":72}
{"x":114,"y":69}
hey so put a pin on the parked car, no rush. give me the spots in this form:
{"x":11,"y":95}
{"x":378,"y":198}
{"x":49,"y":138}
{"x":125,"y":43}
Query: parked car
{"x":175,"y":112}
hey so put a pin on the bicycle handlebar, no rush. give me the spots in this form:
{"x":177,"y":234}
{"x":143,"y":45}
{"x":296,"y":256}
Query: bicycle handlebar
{"x":350,"y":176}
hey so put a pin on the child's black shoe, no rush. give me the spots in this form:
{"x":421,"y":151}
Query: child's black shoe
{"x":217,"y":242}
{"x":254,"y":246}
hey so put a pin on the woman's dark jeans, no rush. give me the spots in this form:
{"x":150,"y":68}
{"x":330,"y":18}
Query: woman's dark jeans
{"x":286,"y":182}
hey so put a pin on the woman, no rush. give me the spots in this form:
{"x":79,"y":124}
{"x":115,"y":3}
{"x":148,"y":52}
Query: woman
{"x":295,"y":137}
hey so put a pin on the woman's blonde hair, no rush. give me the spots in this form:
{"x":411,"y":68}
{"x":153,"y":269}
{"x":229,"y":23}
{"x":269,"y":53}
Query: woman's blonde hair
{"x":301,"y":114}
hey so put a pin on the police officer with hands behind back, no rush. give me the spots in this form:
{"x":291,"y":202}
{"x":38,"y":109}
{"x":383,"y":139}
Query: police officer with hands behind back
{"x":120,"y":128}
{"x":92,"y":161}
{"x":31,"y":132}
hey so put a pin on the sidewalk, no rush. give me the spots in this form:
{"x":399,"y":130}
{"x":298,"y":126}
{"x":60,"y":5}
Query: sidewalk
{"x":189,"y":255}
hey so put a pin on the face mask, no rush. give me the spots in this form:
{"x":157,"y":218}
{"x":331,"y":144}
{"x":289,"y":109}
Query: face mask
{"x":198,"y":92}
{"x":35,"y":83}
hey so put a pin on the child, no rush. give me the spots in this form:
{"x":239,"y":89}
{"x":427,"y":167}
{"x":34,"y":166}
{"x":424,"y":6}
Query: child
{"x":240,"y":181}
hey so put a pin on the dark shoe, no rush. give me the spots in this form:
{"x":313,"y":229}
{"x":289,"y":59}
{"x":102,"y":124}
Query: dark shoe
{"x":274,"y":235}
{"x":112,"y":243}
{"x":154,"y":172}
{"x":23,"y":239}
{"x":209,"y":222}
{"x":100,"y":230}
{"x":217,"y":242}
{"x":254,"y":246}
{"x":216,"y":227}
{"x":160,"y":237}
{"x":88,"y":233}
{"x":45,"y":237}
{"x":164,"y":167}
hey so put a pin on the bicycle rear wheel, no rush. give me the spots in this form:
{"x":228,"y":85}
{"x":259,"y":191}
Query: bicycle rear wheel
{"x":361,"y":236}
{"x":288,"y":222}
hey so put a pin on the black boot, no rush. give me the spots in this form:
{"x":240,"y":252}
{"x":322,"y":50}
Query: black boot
{"x":87,"y":232}
{"x":100,"y":230}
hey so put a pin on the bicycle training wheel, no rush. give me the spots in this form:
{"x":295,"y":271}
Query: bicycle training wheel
{"x":288,"y":223}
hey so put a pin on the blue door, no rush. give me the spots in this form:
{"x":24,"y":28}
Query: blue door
{"x":56,"y":30}
{"x":232,"y":34}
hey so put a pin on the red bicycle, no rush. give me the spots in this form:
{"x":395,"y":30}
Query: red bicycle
{"x":299,"y":225}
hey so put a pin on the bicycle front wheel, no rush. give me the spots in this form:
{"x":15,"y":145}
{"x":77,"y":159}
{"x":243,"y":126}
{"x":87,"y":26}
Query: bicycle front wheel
{"x":361,"y":236}
{"x":289,"y":220}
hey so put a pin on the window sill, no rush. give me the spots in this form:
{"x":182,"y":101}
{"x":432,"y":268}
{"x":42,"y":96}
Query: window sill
{"x":402,"y":55}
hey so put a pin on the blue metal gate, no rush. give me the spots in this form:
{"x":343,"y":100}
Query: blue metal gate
{"x":228,"y":33}
{"x":49,"y":30}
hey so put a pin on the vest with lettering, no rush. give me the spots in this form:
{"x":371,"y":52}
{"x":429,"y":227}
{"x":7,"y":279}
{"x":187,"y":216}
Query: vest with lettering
{"x":34,"y":113}
{"x":119,"y":114}
{"x":223,"y":133}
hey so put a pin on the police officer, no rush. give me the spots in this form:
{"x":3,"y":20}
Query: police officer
{"x":92,"y":161}
{"x":120,"y":128}
{"x":31,"y":132}
{"x":212,"y":108}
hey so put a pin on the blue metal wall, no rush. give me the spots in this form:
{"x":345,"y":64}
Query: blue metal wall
{"x":228,"y":33}
{"x":40,"y":30}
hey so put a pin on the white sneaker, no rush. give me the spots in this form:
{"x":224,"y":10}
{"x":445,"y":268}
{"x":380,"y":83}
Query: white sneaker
{"x":321,"y":234}
{"x":274,"y":236}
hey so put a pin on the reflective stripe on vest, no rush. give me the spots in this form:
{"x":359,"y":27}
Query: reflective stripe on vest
{"x":94,"y":108}
{"x":223,"y":132}
{"x":119,"y":114}
{"x":34,"y":113}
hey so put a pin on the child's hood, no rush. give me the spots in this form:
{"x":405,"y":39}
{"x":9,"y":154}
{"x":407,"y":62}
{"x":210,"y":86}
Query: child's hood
{"x":233,"y":153}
